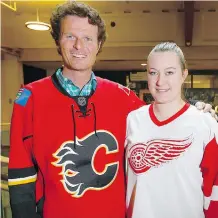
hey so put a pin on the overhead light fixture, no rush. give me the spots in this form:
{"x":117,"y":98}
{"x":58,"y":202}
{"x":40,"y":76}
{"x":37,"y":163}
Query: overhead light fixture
{"x":37,"y":25}
{"x":143,"y":64}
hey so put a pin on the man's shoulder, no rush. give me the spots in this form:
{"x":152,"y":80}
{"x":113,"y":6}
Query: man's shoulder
{"x":115,"y":87}
{"x":39,"y":84}
{"x":26,"y":91}
{"x":105,"y":82}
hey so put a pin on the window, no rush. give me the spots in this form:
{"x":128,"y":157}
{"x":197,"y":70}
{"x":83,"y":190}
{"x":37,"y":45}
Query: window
{"x":205,"y":81}
{"x":187,"y":83}
{"x":201,"y":81}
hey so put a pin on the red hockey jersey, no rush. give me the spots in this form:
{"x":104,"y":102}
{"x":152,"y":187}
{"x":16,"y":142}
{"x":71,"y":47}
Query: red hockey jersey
{"x":74,"y":157}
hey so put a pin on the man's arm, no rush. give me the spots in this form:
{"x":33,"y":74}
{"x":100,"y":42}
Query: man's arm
{"x":209,"y":168}
{"x":205,"y":107}
{"x":212,"y":211}
{"x":22,"y":172}
{"x":132,"y":101}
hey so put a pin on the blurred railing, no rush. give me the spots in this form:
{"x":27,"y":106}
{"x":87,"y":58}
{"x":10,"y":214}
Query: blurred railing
{"x":5,"y":203}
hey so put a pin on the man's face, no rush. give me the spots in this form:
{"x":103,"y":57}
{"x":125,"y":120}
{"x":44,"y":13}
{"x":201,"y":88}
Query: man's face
{"x":78,"y":43}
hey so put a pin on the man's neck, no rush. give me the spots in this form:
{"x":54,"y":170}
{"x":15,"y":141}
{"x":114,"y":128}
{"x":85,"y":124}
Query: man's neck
{"x":79,"y":78}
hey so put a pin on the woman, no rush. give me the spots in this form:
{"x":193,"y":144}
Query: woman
{"x":173,"y":167}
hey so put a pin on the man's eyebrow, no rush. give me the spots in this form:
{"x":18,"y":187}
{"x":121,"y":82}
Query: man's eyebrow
{"x":67,"y":33}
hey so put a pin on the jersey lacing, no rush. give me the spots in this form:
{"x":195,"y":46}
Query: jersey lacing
{"x":84,"y":113}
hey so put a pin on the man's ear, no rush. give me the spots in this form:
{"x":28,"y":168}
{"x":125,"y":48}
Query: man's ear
{"x":58,"y":47}
{"x":99,"y":46}
{"x":184,"y":74}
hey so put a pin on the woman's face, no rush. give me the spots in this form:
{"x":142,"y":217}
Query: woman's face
{"x":165,"y":76}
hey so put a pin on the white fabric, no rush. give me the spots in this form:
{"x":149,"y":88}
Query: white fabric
{"x":169,"y":185}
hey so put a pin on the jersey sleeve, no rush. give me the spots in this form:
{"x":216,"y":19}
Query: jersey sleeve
{"x":209,"y":167}
{"x":22,"y":173}
{"x":132,"y":101}
{"x":135,"y":102}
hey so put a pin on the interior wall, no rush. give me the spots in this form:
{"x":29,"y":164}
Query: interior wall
{"x":11,"y":81}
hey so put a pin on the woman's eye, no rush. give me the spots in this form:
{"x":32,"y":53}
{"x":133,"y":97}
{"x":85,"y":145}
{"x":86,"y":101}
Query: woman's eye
{"x":169,"y":72}
{"x":152,"y":73}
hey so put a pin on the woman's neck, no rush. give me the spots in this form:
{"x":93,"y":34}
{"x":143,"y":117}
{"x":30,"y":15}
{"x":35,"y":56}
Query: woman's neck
{"x":167,"y":110}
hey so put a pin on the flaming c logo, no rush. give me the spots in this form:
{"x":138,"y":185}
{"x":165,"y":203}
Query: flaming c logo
{"x":77,"y":163}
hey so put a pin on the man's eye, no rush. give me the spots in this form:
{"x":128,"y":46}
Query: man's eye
{"x":88,"y":39}
{"x":70,"y":36}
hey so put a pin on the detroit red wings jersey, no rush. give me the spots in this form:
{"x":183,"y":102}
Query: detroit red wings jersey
{"x":172,"y":165}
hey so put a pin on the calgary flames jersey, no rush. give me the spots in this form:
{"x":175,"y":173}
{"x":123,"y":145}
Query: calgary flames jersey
{"x":172,"y":168}
{"x":72,"y":157}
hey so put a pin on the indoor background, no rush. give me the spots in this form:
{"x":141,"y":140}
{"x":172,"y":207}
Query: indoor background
{"x":133,"y":27}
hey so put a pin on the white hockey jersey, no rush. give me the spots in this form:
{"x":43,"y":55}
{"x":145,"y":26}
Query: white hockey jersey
{"x":172,"y":165}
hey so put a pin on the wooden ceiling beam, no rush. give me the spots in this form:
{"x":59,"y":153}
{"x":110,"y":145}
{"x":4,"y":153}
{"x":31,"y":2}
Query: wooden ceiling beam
{"x":189,"y":21}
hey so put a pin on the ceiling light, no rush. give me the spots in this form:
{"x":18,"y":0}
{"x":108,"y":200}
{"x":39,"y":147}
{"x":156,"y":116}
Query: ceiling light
{"x":37,"y":25}
{"x":143,"y":64}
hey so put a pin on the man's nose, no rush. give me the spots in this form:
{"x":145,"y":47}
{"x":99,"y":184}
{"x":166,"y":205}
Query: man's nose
{"x":78,"y":44}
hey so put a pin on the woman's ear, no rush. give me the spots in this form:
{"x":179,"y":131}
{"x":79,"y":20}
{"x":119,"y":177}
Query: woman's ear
{"x":184,"y":74}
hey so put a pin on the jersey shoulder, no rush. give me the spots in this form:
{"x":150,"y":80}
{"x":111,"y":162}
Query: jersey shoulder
{"x":39,"y":84}
{"x":199,"y":114}
{"x":26,"y":91}
{"x":203,"y":120}
{"x":142,"y":111}
{"x":115,"y":88}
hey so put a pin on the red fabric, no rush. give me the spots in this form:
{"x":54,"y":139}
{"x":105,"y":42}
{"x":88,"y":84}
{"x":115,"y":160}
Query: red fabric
{"x":170,"y":119}
{"x":21,"y":126}
{"x":48,"y":116}
{"x":209,"y":168}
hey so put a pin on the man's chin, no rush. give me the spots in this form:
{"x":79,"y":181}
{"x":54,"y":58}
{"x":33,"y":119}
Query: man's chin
{"x":76,"y":68}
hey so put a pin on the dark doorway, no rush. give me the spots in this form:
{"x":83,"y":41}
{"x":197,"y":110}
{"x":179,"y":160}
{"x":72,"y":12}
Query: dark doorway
{"x":31,"y":74}
{"x":116,"y":76}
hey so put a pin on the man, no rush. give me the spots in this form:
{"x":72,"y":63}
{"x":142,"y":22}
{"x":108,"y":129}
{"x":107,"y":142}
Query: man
{"x":68,"y":130}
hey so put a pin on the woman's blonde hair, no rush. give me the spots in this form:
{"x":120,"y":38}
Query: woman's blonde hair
{"x":170,"y":47}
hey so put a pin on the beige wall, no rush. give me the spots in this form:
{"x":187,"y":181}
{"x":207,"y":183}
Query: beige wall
{"x":11,"y":80}
{"x":129,"y":41}
{"x":128,"y":44}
